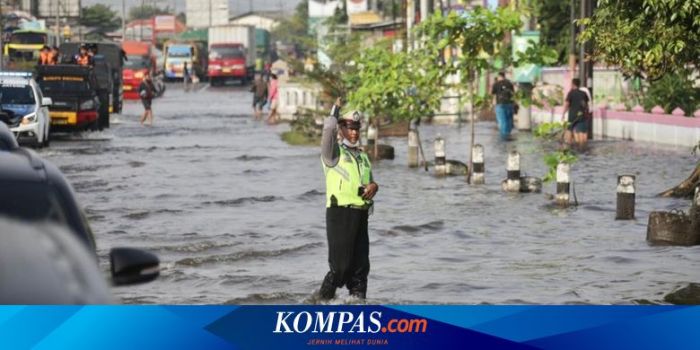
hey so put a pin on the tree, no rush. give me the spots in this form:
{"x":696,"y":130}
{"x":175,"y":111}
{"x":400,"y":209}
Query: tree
{"x":554,"y":19}
{"x":650,"y":39}
{"x":645,"y":38}
{"x":101,"y":17}
{"x":294,"y":30}
{"x":147,"y":11}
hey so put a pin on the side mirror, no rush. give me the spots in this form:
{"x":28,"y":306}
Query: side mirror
{"x":46,"y":102}
{"x":133,"y":266}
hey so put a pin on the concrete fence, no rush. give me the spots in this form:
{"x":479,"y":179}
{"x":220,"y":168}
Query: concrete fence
{"x":294,"y":96}
{"x":655,"y":127}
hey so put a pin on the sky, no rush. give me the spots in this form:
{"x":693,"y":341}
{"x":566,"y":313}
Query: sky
{"x":235,"y":6}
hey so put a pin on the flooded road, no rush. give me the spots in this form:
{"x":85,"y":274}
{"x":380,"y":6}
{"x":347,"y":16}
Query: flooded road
{"x":237,"y":216}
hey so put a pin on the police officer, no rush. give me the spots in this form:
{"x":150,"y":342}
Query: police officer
{"x":45,"y":56}
{"x":349,"y":192}
{"x":83,"y":58}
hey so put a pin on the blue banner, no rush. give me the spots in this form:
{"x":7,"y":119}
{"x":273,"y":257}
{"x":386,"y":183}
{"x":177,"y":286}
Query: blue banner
{"x":365,"y":326}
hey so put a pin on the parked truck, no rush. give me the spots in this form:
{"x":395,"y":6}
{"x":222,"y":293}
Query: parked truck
{"x":140,"y":58}
{"x":232,"y":53}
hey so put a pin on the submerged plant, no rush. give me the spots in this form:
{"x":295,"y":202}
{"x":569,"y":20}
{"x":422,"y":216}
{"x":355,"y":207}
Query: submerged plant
{"x":553,"y":159}
{"x":549,"y":131}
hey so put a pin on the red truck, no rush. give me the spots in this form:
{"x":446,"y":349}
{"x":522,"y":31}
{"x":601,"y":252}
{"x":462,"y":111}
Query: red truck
{"x":140,"y":59}
{"x":231,"y":54}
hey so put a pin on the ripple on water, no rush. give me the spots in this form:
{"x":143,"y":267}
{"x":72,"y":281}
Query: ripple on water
{"x":244,"y":255}
{"x":243,"y":200}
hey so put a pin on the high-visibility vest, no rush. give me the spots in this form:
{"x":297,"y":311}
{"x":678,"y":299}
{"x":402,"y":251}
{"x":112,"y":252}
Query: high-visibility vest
{"x":53,"y":58}
{"x":345,"y":178}
{"x":44,"y":58}
{"x":83,"y":60}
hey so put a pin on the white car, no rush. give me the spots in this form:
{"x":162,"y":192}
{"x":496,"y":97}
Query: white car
{"x":24,"y":108}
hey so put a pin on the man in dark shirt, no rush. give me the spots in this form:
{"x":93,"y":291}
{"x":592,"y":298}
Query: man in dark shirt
{"x":503,"y":92}
{"x":577,"y":104}
{"x":259,"y":90}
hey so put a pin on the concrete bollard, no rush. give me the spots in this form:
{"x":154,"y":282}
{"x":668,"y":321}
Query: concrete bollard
{"x":695,"y":213}
{"x":440,"y":165}
{"x":563,"y":184}
{"x":625,"y":197}
{"x":412,"y":149}
{"x":478,"y":165}
{"x":371,"y":135}
{"x":512,"y":183}
{"x":671,"y":228}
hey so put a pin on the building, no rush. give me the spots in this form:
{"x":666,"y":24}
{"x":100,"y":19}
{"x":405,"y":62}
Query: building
{"x":267,"y":20}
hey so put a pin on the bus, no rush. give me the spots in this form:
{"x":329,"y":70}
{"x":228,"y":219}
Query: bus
{"x":25,"y":44}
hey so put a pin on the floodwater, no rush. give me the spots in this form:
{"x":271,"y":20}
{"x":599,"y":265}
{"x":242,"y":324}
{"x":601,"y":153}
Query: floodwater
{"x":237,"y":216}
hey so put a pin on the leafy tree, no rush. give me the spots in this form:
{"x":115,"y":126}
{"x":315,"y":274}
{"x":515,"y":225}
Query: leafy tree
{"x":101,"y":17}
{"x":646,"y":38}
{"x":294,"y":30}
{"x":394,"y":85}
{"x":147,"y":11}
{"x":554,"y":20}
{"x":673,"y":90}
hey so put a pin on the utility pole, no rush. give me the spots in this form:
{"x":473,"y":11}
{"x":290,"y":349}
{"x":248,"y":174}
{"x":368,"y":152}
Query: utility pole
{"x":141,"y":21}
{"x":58,"y":20}
{"x":123,"y":20}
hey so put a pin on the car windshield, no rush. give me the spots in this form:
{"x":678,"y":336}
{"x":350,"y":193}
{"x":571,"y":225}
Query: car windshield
{"x":16,"y":95}
{"x":28,"y":38}
{"x":179,"y":51}
{"x":63,"y":85}
{"x":30,"y":202}
{"x":227,"y":52}
{"x":137,"y":62}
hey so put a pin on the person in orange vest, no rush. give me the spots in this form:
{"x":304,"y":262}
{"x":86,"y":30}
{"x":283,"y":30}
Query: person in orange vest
{"x":83,"y":58}
{"x":45,"y":56}
{"x":54,"y":55}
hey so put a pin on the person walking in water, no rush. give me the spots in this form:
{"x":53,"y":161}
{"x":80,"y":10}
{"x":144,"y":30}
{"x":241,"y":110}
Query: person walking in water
{"x":259,"y":90}
{"x":503,"y":92}
{"x":273,"y":96}
{"x":350,"y":189}
{"x":577,"y":104}
{"x":185,"y":76}
{"x":146,"y":92}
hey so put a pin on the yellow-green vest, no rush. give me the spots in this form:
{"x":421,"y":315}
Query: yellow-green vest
{"x":344,"y":179}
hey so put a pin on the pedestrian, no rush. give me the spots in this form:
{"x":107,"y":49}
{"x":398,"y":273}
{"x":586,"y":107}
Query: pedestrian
{"x":146,"y":92}
{"x":259,"y":90}
{"x":503,"y":92}
{"x":185,"y":76}
{"x":350,"y":189}
{"x":45,"y":56}
{"x":54,"y":56}
{"x":273,"y":99}
{"x":83,"y":57}
{"x":578,"y":105}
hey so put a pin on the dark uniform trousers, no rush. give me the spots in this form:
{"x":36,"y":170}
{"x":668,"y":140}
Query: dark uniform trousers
{"x":348,"y":251}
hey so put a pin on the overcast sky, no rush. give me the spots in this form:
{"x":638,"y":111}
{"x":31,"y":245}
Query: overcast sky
{"x":235,"y":6}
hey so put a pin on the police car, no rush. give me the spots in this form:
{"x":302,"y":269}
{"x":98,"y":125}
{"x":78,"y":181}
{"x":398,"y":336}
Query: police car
{"x":24,"y":108}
